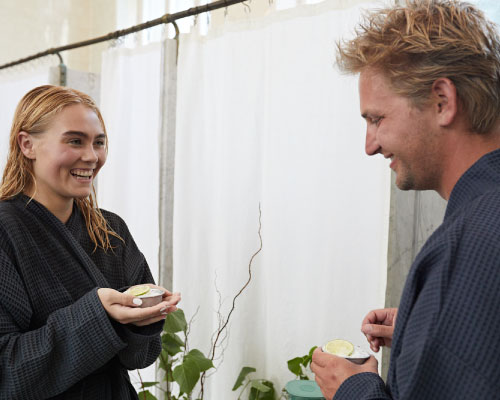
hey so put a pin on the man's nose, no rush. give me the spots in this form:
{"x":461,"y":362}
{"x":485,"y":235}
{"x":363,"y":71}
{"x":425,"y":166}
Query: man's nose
{"x":372,"y":147}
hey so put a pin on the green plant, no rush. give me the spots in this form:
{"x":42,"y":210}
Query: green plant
{"x":185,"y":367}
{"x":298,"y":365}
{"x":179,"y":364}
{"x":260,"y":389}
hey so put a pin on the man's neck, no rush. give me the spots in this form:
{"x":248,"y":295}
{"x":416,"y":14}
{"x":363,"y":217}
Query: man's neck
{"x":463,"y":151}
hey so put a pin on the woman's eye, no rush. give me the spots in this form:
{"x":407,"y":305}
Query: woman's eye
{"x":75,"y":141}
{"x":100,"y":143}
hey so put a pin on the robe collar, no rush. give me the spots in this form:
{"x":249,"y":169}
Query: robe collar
{"x":482,"y":177}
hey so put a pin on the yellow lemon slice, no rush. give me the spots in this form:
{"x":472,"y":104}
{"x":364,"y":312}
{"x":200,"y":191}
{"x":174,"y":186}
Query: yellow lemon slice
{"x":339,"y":347}
{"x":138,"y":290}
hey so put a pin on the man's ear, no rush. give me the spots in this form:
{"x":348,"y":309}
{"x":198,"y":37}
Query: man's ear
{"x":445,"y":101}
{"x":25,"y":141}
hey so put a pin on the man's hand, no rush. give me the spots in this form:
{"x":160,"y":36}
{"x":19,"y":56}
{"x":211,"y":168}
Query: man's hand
{"x":378,"y":327}
{"x":332,"y":370}
{"x":124,"y":308}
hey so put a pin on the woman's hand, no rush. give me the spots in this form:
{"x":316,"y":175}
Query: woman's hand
{"x":124,"y":308}
{"x":378,"y":327}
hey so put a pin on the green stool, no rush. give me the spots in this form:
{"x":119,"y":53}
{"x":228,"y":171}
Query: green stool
{"x":303,"y":390}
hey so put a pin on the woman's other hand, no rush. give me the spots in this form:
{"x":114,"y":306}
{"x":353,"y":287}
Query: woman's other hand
{"x":125,"y":308}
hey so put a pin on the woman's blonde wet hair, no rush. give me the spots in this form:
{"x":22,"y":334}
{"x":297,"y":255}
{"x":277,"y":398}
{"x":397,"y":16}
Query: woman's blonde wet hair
{"x":416,"y":44}
{"x":33,"y":114}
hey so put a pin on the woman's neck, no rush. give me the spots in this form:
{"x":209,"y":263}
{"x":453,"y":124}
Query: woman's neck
{"x":61,"y":207}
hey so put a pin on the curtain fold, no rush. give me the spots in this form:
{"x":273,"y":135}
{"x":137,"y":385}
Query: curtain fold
{"x":128,"y":182}
{"x":264,"y":118}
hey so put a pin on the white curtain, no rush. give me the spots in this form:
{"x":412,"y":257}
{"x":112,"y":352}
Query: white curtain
{"x":14,"y":84}
{"x":128,"y":182}
{"x":264,"y":118}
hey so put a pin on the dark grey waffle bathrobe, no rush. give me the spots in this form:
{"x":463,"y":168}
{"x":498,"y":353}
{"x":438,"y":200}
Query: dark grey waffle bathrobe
{"x":447,"y":336}
{"x":56,"y":340}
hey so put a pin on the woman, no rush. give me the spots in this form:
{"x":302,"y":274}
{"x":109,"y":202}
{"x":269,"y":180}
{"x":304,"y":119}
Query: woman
{"x":66,"y":329}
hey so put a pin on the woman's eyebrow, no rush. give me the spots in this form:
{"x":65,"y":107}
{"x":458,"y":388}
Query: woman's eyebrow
{"x":82,"y":134}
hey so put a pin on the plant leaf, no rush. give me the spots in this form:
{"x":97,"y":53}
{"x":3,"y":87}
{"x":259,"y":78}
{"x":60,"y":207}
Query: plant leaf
{"x":200,"y":360}
{"x":186,"y":375}
{"x":172,"y":343}
{"x":256,"y":394}
{"x":294,"y":365}
{"x":164,"y":361}
{"x":307,"y":359}
{"x":175,"y":322}
{"x":149,"y":384}
{"x":146,"y":395}
{"x":257,"y":384}
{"x":241,"y":377}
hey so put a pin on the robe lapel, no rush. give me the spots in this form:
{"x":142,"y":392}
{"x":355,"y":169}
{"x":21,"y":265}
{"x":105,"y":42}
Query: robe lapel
{"x":63,"y":233}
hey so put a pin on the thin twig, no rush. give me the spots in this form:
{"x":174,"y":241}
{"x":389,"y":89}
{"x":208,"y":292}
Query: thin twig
{"x":165,"y":363}
{"x":142,"y":385}
{"x":188,"y":330}
{"x":224,"y":326}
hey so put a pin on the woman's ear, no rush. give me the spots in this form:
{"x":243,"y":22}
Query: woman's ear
{"x":446,"y":101}
{"x":25,"y":141}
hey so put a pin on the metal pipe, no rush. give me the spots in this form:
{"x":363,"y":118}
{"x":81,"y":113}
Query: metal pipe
{"x":165,"y":19}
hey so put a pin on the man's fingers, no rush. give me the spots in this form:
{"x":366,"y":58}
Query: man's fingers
{"x":322,"y":359}
{"x":374,"y":330}
{"x":386,"y":316}
{"x":319,"y":357}
{"x":375,"y":345}
{"x":372,"y":362}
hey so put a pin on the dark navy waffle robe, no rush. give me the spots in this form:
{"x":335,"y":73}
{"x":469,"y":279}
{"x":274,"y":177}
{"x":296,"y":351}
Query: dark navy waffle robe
{"x":447,"y":337}
{"x":56,"y":340}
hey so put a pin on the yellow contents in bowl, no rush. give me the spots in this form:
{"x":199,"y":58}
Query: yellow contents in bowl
{"x":138,"y":290}
{"x":339,"y":347}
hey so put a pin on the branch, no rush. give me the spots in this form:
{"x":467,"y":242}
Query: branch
{"x":142,"y":384}
{"x":188,"y":329}
{"x":226,"y":322}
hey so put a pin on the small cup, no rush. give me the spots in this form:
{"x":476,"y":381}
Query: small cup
{"x":151,"y":298}
{"x":358,"y":356}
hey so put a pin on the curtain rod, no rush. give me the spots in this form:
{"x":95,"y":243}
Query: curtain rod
{"x":165,"y":19}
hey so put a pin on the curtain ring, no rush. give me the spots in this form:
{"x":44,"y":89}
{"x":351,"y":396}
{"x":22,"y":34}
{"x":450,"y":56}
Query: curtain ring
{"x":248,"y":9}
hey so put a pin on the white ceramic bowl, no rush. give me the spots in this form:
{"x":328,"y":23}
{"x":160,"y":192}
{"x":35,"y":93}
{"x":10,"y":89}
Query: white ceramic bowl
{"x":358,"y":356}
{"x":151,"y":298}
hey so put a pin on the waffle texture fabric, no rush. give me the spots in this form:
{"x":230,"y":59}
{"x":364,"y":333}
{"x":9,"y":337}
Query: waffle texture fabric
{"x":56,"y":339}
{"x":447,"y":337}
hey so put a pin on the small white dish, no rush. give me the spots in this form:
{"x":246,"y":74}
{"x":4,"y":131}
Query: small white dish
{"x":358,"y":356}
{"x":151,"y":298}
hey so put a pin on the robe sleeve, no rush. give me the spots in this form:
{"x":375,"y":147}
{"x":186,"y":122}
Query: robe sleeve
{"x":74,"y":342}
{"x":364,"y":386}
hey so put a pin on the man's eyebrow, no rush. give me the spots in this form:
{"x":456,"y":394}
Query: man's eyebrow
{"x":370,"y":115}
{"x":82,"y":134}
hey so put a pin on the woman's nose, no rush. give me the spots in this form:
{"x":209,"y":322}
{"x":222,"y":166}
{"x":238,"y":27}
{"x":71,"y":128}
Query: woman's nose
{"x":90,"y":155}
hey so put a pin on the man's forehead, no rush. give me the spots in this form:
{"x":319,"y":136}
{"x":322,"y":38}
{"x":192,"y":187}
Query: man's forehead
{"x":373,"y":88}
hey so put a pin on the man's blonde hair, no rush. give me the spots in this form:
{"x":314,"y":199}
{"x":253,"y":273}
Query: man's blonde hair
{"x":416,"y":44}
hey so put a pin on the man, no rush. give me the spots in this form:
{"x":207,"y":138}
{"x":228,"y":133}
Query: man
{"x":429,"y":86}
